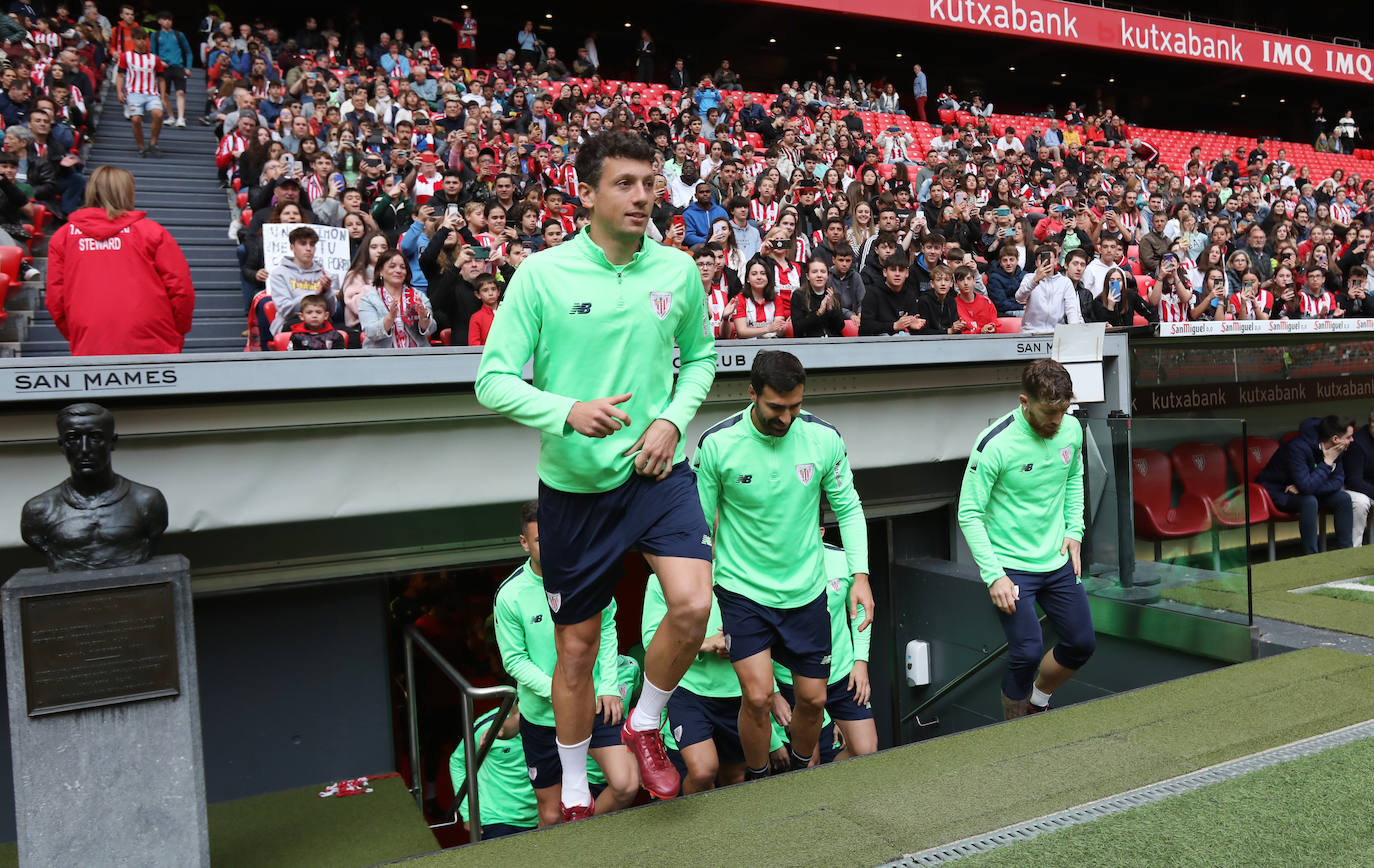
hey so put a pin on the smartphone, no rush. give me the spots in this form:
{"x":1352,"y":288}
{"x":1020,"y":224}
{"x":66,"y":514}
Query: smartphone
{"x":453,"y":211}
{"x":337,"y":178}
{"x":959,"y":198}
{"x":678,"y":221}
{"x":479,"y":252}
{"x":1045,"y":257}
{"x":289,"y":160}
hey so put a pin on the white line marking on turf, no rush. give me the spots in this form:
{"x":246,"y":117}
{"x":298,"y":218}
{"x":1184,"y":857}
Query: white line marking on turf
{"x":1355,"y":584}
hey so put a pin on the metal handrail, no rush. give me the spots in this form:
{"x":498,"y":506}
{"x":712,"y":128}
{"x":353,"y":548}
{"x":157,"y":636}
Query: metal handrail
{"x":941,"y":693}
{"x":471,"y":751}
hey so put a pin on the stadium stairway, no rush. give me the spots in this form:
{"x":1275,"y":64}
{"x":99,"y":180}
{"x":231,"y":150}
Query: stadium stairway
{"x":181,"y":191}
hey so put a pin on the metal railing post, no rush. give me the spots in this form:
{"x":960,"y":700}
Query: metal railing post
{"x":473,"y":753}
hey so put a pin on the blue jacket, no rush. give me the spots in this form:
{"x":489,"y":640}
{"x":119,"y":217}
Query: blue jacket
{"x":172,"y":47}
{"x":1299,"y":463}
{"x":412,"y":244}
{"x":1002,"y":289}
{"x":696,"y":222}
{"x":1358,"y":463}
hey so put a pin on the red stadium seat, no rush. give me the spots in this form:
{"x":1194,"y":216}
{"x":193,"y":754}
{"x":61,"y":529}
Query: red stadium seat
{"x":1009,"y":325}
{"x":1248,"y":457}
{"x":851,"y":329}
{"x":948,"y":116}
{"x":1201,"y":467}
{"x":282,"y":342}
{"x":11,"y":261}
{"x":1156,"y":518}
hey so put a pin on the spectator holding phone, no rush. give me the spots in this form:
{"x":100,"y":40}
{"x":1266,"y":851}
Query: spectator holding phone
{"x":1050,"y":298}
{"x":394,"y":314}
{"x":1355,"y":301}
{"x":1253,"y":301}
{"x":1176,"y":297}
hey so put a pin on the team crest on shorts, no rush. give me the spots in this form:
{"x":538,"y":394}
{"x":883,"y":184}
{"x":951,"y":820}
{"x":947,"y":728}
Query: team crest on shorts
{"x":555,"y":600}
{"x":726,"y":637}
{"x":805,"y":472}
{"x":662,"y":302}
{"x":836,"y":584}
{"x":1066,"y":453}
{"x":677,"y":733}
{"x":534,"y":772}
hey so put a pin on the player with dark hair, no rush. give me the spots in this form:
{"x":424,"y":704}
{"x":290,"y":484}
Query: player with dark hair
{"x":1021,"y":510}
{"x":766,"y":466}
{"x":600,"y":314}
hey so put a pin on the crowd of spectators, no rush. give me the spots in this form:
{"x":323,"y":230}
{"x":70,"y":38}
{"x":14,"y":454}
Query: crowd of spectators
{"x":467,"y":166}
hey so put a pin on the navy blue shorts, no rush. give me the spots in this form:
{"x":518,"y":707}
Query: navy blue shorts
{"x":694,"y":719}
{"x":839,"y":701}
{"x":502,"y":830}
{"x":799,"y":638}
{"x":583,"y":538}
{"x":541,"y":749}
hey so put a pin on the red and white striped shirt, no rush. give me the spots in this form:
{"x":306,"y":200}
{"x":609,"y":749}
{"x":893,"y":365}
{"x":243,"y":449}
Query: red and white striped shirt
{"x":786,"y":276}
{"x":50,"y":38}
{"x":497,"y":244}
{"x":227,"y":154}
{"x":764,"y":215}
{"x":140,"y":72}
{"x":1263,"y":303}
{"x":39,"y":76}
{"x":716,"y":300}
{"x":1340,"y":213}
{"x":1172,"y":308}
{"x":429,"y":55}
{"x":762,"y":313}
{"x":564,"y":177}
{"x":1316,"y":306}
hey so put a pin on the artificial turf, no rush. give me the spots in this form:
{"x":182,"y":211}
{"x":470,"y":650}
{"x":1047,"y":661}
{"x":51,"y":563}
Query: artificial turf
{"x":1310,"y":811}
{"x":1273,"y":583}
{"x":1349,"y":594}
{"x":298,"y":829}
{"x":873,"y":809}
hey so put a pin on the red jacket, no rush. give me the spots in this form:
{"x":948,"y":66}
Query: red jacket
{"x":118,"y":287}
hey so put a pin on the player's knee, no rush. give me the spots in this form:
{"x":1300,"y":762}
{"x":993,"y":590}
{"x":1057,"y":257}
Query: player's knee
{"x":550,"y":812}
{"x":702,"y":774}
{"x":1026,"y":651}
{"x":1075,"y":647}
{"x":689,"y":615}
{"x":810,"y":701}
{"x":756,"y":700}
{"x":624,"y":786}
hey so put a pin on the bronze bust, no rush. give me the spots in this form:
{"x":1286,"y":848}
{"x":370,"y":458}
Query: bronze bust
{"x":96,"y":518}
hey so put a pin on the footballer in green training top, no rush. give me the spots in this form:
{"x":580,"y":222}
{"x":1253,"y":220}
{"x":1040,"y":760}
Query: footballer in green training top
{"x":1021,"y":510}
{"x":760,"y":474}
{"x":600,"y":315}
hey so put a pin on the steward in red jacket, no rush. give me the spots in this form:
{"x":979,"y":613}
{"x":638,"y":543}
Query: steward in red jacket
{"x":118,"y":286}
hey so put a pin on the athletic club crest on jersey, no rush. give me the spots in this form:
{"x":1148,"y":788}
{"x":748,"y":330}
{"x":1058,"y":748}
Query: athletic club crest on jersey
{"x":555,"y":600}
{"x":1066,"y":453}
{"x":662,"y":302}
{"x":805,"y":472}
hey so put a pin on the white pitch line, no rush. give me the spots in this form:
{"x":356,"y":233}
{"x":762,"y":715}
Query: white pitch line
{"x":1355,"y":584}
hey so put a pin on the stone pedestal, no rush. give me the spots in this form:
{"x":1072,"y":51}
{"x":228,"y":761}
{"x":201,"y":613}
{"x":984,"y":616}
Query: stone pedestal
{"x":105,"y":716}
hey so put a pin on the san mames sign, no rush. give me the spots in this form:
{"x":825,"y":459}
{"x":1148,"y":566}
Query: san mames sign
{"x":1115,"y":30}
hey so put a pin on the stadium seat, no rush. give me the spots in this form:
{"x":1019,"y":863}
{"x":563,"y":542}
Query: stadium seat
{"x":1009,"y":325}
{"x":11,"y":261}
{"x":261,"y":312}
{"x":1156,"y":518}
{"x":851,"y":329}
{"x":446,"y":338}
{"x":282,"y":342}
{"x":1201,"y":468}
{"x":1248,"y":457}
{"x":1143,"y":283}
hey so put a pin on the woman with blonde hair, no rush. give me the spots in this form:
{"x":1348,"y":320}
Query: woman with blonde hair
{"x":118,"y":284}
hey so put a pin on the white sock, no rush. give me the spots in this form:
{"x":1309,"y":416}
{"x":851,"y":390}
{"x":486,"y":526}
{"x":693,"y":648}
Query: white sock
{"x":648,"y":713}
{"x":574,"y":759}
{"x":1039,"y":697}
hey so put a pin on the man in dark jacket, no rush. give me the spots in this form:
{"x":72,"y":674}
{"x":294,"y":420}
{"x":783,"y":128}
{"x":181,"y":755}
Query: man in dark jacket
{"x":1306,"y":475}
{"x":891,"y":308}
{"x":1358,"y":463}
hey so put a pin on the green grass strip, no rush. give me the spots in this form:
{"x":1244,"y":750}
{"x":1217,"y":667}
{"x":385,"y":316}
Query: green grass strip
{"x":1273,"y":583}
{"x":873,"y":809}
{"x":1310,"y":811}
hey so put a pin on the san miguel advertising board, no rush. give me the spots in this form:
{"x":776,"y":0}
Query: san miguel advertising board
{"x":1115,"y":30}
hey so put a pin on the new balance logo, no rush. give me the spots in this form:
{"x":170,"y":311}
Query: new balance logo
{"x":745,"y":478}
{"x":582,"y":308}
{"x":1028,"y":468}
{"x":536,"y":619}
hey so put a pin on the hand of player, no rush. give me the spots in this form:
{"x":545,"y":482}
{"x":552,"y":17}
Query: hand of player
{"x":1074,"y":548}
{"x":782,"y":712}
{"x":715,"y":644}
{"x":599,"y":418}
{"x":611,"y":709}
{"x":656,"y":447}
{"x":859,"y":686}
{"x":1004,"y":595}
{"x":861,"y":595}
{"x":779,"y":761}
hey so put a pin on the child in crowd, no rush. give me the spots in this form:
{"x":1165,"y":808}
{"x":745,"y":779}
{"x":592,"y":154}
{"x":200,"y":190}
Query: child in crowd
{"x":975,"y":311}
{"x":297,"y":276}
{"x":937,"y":305}
{"x":488,"y":292}
{"x":1003,"y":282}
{"x":315,"y":331}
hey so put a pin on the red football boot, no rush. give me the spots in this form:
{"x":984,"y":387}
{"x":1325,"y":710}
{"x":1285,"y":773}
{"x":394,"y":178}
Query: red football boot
{"x":655,"y":769}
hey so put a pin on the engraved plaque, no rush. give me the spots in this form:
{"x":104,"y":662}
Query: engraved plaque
{"x":85,"y":649}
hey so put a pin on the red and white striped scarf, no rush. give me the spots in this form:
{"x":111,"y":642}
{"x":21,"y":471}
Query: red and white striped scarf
{"x":409,"y":299}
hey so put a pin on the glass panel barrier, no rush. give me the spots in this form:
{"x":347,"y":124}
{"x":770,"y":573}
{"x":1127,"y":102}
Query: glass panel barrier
{"x":1167,"y":514}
